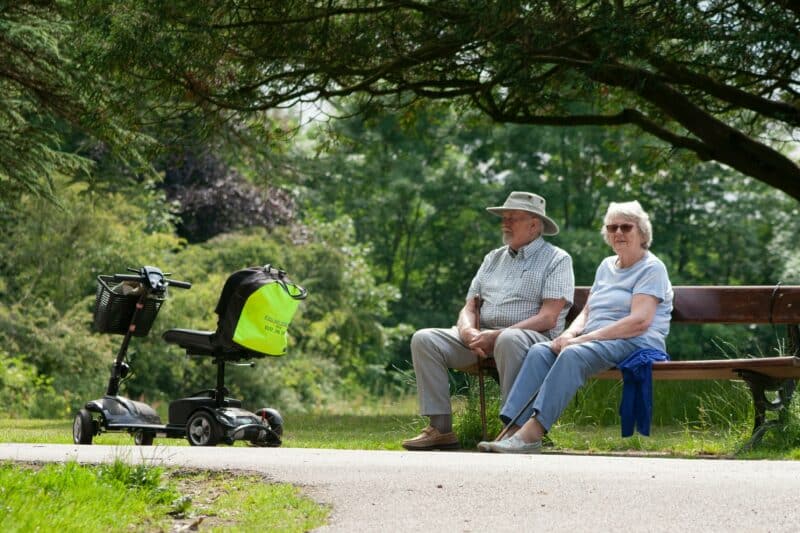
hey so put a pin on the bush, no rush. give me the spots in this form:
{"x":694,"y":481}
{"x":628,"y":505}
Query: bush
{"x":338,"y":344}
{"x":24,"y":393}
{"x":214,"y":198}
{"x":337,"y":340}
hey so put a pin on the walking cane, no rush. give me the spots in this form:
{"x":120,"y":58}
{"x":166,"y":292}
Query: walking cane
{"x":481,"y":389}
{"x":516,"y":416}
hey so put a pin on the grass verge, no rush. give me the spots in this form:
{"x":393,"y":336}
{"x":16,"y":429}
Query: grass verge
{"x":121,"y":497}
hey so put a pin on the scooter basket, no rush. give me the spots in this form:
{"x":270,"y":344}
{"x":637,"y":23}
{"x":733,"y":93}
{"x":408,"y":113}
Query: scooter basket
{"x":114,"y":310}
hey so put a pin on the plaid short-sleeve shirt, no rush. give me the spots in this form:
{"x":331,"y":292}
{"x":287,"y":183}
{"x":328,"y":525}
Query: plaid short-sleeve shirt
{"x":513,"y":287}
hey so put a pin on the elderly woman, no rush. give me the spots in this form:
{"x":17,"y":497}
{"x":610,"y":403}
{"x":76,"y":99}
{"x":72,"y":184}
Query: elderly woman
{"x":628,"y":308}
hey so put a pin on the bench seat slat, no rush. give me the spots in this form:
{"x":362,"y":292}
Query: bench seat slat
{"x":776,"y":367}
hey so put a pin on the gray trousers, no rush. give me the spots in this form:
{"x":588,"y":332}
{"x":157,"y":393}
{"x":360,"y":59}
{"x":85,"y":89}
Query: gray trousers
{"x":435,"y":350}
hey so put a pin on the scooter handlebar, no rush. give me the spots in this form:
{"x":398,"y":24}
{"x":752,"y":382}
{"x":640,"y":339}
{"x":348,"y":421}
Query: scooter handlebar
{"x":128,"y":277}
{"x":143,"y":279}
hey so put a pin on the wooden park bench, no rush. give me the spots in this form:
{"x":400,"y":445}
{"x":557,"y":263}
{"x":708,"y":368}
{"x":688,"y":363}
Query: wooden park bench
{"x":718,"y":305}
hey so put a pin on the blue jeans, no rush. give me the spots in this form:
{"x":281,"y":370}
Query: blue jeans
{"x":558,"y":378}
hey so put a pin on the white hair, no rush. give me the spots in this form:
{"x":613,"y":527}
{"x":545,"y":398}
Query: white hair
{"x":632,"y":212}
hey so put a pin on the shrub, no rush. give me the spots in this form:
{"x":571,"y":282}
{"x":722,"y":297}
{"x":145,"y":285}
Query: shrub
{"x":24,"y":393}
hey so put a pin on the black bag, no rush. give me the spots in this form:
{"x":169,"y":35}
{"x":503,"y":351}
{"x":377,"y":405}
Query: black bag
{"x":255,"y":309}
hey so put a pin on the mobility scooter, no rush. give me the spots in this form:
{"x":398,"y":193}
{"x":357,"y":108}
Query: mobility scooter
{"x":127,"y":304}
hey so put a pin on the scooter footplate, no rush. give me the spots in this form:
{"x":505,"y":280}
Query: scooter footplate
{"x":153,"y":427}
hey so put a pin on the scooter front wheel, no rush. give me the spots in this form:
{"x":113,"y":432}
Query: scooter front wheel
{"x":83,"y":427}
{"x":275,"y":422}
{"x":203,"y":430}
{"x":143,"y":438}
{"x":273,"y":418}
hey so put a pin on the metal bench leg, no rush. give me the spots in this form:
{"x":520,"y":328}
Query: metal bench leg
{"x":759,"y":385}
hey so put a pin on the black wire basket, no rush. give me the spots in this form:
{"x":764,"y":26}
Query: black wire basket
{"x":113,"y":310}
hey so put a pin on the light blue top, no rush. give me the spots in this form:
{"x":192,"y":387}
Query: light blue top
{"x":612,"y":292}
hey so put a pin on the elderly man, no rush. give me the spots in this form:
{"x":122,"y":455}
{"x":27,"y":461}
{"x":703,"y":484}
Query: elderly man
{"x":526,"y":288}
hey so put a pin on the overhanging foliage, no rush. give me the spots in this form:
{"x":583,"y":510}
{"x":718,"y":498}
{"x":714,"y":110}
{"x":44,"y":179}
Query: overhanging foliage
{"x":717,"y":78}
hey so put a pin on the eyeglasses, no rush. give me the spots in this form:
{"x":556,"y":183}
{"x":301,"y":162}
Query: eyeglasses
{"x":612,"y":228}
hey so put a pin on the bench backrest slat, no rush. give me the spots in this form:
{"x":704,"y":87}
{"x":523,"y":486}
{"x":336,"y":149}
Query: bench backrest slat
{"x":752,"y":304}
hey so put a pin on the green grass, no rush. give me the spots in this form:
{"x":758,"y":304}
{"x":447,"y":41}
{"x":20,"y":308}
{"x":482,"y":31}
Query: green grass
{"x":69,"y":497}
{"x":364,"y":427}
{"x":717,"y":422}
{"x":120,"y":497}
{"x":357,"y":432}
{"x":253,"y":505}
{"x":385,"y":432}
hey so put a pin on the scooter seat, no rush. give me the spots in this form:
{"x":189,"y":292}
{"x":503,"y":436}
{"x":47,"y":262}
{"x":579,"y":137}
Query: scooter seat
{"x":204,"y":343}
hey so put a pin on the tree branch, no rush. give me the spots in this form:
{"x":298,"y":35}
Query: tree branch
{"x":725,"y":144}
{"x":626,"y":116}
{"x":777,"y":110}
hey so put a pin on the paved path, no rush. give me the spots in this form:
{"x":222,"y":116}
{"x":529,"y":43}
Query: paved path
{"x":459,"y":491}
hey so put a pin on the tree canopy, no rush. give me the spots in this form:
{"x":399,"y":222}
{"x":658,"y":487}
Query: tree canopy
{"x":47,"y":92}
{"x":718,"y":78}
{"x":36,"y":88}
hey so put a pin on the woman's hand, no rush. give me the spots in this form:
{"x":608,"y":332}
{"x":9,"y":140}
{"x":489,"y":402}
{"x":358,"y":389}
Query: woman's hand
{"x":562,"y":341}
{"x":571,"y":335}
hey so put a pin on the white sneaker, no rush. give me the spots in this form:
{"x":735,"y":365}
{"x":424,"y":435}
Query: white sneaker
{"x":485,"y":446}
{"x":515,"y":444}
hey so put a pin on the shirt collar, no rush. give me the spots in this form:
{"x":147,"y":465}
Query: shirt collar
{"x":527,"y":250}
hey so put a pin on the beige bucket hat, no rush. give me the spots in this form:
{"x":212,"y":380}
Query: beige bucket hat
{"x":532,"y":203}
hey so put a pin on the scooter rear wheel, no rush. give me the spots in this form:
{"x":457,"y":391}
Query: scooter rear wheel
{"x":203,"y":430}
{"x":83,"y":427}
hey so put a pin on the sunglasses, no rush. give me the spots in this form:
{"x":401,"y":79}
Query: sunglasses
{"x":612,"y":228}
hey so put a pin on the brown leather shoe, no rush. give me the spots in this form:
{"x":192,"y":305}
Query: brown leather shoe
{"x":431,"y":439}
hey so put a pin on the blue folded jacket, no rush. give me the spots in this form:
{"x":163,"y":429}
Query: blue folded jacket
{"x":636,"y":407}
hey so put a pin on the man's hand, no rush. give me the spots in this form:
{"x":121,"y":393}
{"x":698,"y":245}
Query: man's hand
{"x":482,"y":344}
{"x":468,"y":334}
